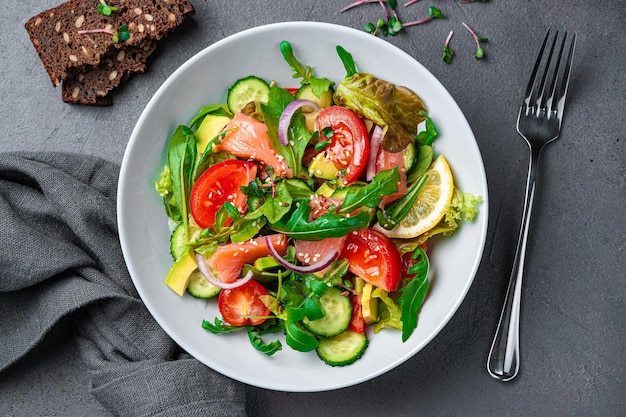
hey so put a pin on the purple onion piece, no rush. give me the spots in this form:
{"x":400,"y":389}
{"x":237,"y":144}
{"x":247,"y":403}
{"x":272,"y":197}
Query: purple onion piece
{"x":206,"y":272}
{"x":375,"y":141}
{"x":288,"y":113}
{"x":317,"y":266}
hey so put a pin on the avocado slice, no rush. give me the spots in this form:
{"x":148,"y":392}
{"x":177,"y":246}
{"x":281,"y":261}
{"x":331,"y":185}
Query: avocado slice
{"x":178,"y":276}
{"x":369,"y":304}
{"x":209,"y":128}
{"x":323,"y":168}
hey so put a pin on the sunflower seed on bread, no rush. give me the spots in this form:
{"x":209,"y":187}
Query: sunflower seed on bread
{"x":65,"y":40}
{"x":90,"y":87}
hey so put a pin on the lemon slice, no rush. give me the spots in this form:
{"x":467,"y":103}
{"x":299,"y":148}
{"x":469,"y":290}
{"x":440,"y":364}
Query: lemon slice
{"x":430,"y":206}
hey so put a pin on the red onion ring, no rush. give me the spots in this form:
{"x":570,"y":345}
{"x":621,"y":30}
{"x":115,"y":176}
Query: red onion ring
{"x":288,"y":113}
{"x":206,"y":272}
{"x":375,"y":141}
{"x":317,"y":266}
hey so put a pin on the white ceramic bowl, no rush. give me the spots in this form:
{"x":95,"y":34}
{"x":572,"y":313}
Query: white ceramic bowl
{"x":143,"y":225}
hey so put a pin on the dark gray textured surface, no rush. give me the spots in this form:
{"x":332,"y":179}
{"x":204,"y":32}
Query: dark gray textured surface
{"x":574,"y":304}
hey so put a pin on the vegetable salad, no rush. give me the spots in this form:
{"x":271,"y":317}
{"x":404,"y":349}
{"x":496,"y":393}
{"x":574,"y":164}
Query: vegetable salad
{"x":307,"y":210}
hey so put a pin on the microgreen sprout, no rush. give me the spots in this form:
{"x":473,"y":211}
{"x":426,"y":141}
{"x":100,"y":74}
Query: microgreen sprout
{"x":390,"y":25}
{"x":479,"y":51}
{"x":105,"y":9}
{"x":447,"y":51}
{"x":360,"y":2}
{"x":408,"y":3}
{"x":116,"y":35}
{"x":433,"y":13}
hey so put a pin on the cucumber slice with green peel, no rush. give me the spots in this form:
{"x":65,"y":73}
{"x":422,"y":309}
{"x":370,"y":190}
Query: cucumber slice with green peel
{"x":246,"y":90}
{"x":409,"y":153}
{"x":178,"y":241}
{"x":338,"y":311}
{"x":343,"y":349}
{"x":199,"y":287}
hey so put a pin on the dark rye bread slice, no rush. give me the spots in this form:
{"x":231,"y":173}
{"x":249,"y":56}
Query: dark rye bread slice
{"x":55,"y":32}
{"x":92,"y":87}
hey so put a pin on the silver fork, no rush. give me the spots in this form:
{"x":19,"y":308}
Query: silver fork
{"x":539,"y":123}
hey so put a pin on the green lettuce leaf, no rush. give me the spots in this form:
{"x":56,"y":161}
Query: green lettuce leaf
{"x":464,"y":206}
{"x":389,"y":313}
{"x":398,"y":110}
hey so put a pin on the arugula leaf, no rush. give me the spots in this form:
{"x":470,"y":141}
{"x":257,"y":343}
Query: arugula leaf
{"x":181,"y":158}
{"x":392,"y":215}
{"x":414,"y":292}
{"x":299,"y":71}
{"x":329,"y":225}
{"x":255,"y":333}
{"x":295,"y":336}
{"x":347,"y":60}
{"x":318,"y":85}
{"x":218,"y":327}
{"x":274,"y":208}
{"x":384,"y":183}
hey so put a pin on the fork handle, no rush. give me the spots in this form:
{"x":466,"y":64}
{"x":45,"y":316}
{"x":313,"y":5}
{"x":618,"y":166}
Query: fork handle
{"x":504,"y":357}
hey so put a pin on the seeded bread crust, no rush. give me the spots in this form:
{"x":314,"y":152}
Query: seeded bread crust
{"x":61,"y":48}
{"x":91,"y":87}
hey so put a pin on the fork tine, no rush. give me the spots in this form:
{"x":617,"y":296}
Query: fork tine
{"x":553,"y":66}
{"x":533,"y":75}
{"x":560,"y":91}
{"x":540,"y":100}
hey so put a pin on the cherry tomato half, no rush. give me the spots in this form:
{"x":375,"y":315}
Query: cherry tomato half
{"x":218,"y":184}
{"x":357,"y":322}
{"x":350,"y":144}
{"x":242,"y":306}
{"x":373,"y":257}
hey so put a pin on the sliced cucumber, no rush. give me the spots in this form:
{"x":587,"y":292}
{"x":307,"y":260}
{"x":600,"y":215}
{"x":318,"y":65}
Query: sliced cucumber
{"x":343,"y":349}
{"x":247,"y":90}
{"x":199,"y":287}
{"x":306,"y":93}
{"x":178,"y":241}
{"x":338,"y":311}
{"x":409,"y":153}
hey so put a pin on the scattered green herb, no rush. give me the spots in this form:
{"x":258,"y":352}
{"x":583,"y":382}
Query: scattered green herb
{"x":120,"y":34}
{"x":478,"y":39}
{"x":106,"y":10}
{"x":447,"y":51}
{"x":433,"y":13}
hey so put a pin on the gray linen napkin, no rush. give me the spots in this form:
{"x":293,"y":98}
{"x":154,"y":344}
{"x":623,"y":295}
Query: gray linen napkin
{"x":60,"y":256}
